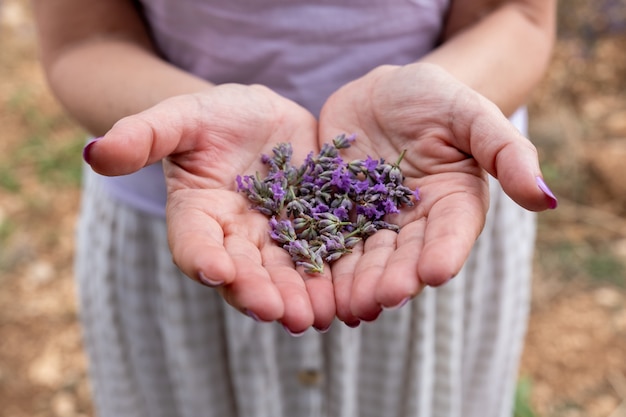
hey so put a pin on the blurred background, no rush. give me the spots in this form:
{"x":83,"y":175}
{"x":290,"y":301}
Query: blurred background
{"x":574,"y":363}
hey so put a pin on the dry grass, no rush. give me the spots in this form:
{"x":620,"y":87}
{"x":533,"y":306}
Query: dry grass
{"x":575,"y":359}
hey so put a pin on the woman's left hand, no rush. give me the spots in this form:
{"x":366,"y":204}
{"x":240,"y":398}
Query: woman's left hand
{"x":453,"y":137}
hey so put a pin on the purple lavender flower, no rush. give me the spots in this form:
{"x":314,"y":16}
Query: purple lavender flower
{"x":282,"y":230}
{"x":282,"y":155}
{"x":298,"y":207}
{"x":370,"y":164}
{"x":341,"y":212}
{"x":341,"y":179}
{"x":329,"y":223}
{"x":342,"y":141}
{"x":278,"y":191}
{"x":298,"y":249}
{"x":327,"y":151}
{"x":379,"y":188}
{"x":351,"y":241}
{"x":314,"y":262}
{"x":245,"y":183}
{"x":266,"y":159}
{"x":390,"y":207}
{"x":355,"y":167}
{"x":370,"y":211}
{"x":320,"y":210}
{"x":361,"y":186}
{"x":416,"y":194}
{"x":395,"y":175}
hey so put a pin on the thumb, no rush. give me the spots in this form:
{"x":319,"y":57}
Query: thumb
{"x":139,"y":140}
{"x":506,"y":154}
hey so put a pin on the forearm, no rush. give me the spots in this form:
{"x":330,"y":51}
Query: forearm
{"x":503,"y":56}
{"x":100,"y":82}
{"x":101,"y":62}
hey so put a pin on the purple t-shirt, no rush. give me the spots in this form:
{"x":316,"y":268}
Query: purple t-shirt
{"x":303,"y":50}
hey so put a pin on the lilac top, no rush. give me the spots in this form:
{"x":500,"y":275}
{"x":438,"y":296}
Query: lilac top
{"x":303,"y":50}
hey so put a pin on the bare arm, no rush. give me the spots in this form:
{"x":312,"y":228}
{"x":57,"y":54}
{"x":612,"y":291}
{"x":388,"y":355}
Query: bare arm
{"x":100,"y":61}
{"x":432,"y":110}
{"x":102,"y":65}
{"x":499,"y":48}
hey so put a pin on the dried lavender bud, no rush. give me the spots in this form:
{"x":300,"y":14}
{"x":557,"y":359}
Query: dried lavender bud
{"x":313,"y":263}
{"x":395,"y":175}
{"x":381,"y":224}
{"x":329,"y":223}
{"x":342,"y":141}
{"x":361,"y":227}
{"x":282,"y":231}
{"x":320,"y":210}
{"x":310,"y":234}
{"x":352,"y":241}
{"x":298,"y":249}
{"x":282,"y":157}
{"x":304,"y":222}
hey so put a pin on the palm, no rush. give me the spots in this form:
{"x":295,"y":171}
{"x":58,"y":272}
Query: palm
{"x":451,"y":136}
{"x":207,"y":140}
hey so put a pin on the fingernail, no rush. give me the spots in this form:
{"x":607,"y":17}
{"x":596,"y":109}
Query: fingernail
{"x":353,"y":324}
{"x":399,"y":305}
{"x":252,"y":315}
{"x":294,"y":334}
{"x":87,"y":149}
{"x":324,"y":330}
{"x":208,"y":282}
{"x":546,"y":190}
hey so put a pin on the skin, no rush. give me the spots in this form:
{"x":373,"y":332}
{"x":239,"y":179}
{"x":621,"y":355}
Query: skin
{"x":440,"y":122}
{"x":442,"y":109}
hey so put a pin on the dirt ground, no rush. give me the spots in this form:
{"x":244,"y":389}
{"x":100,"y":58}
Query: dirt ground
{"x":574,"y":364}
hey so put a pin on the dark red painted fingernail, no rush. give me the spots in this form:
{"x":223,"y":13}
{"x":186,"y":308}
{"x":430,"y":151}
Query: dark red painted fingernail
{"x":354,"y":324}
{"x":87,"y":149}
{"x":324,"y":330}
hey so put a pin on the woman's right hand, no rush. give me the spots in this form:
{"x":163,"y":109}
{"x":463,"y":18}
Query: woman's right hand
{"x":205,"y":140}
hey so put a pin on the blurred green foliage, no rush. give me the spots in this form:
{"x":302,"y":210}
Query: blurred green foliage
{"x":46,"y":151}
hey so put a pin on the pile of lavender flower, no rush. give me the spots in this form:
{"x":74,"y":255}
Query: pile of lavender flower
{"x":322,"y":209}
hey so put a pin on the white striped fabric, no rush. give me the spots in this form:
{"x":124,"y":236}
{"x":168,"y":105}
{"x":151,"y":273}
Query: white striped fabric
{"x":161,"y":345}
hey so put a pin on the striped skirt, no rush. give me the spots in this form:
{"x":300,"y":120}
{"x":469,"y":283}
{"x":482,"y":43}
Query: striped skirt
{"x":161,"y":345}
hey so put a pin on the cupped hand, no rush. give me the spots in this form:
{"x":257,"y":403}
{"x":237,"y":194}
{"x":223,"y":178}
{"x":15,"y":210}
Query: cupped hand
{"x":453,"y":137}
{"x":205,"y":140}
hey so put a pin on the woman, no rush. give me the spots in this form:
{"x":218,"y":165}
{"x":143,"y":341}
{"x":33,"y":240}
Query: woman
{"x":206,"y":88}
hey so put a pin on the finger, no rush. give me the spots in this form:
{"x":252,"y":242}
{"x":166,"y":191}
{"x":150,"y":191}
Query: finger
{"x":232,"y":262}
{"x":197,"y":244}
{"x":298,"y":312}
{"x":252,"y":291}
{"x":378,"y":248}
{"x":322,"y":297}
{"x":137,"y":141}
{"x":452,"y":227}
{"x":400,"y":282}
{"x":505,"y":153}
{"x":343,"y":271}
